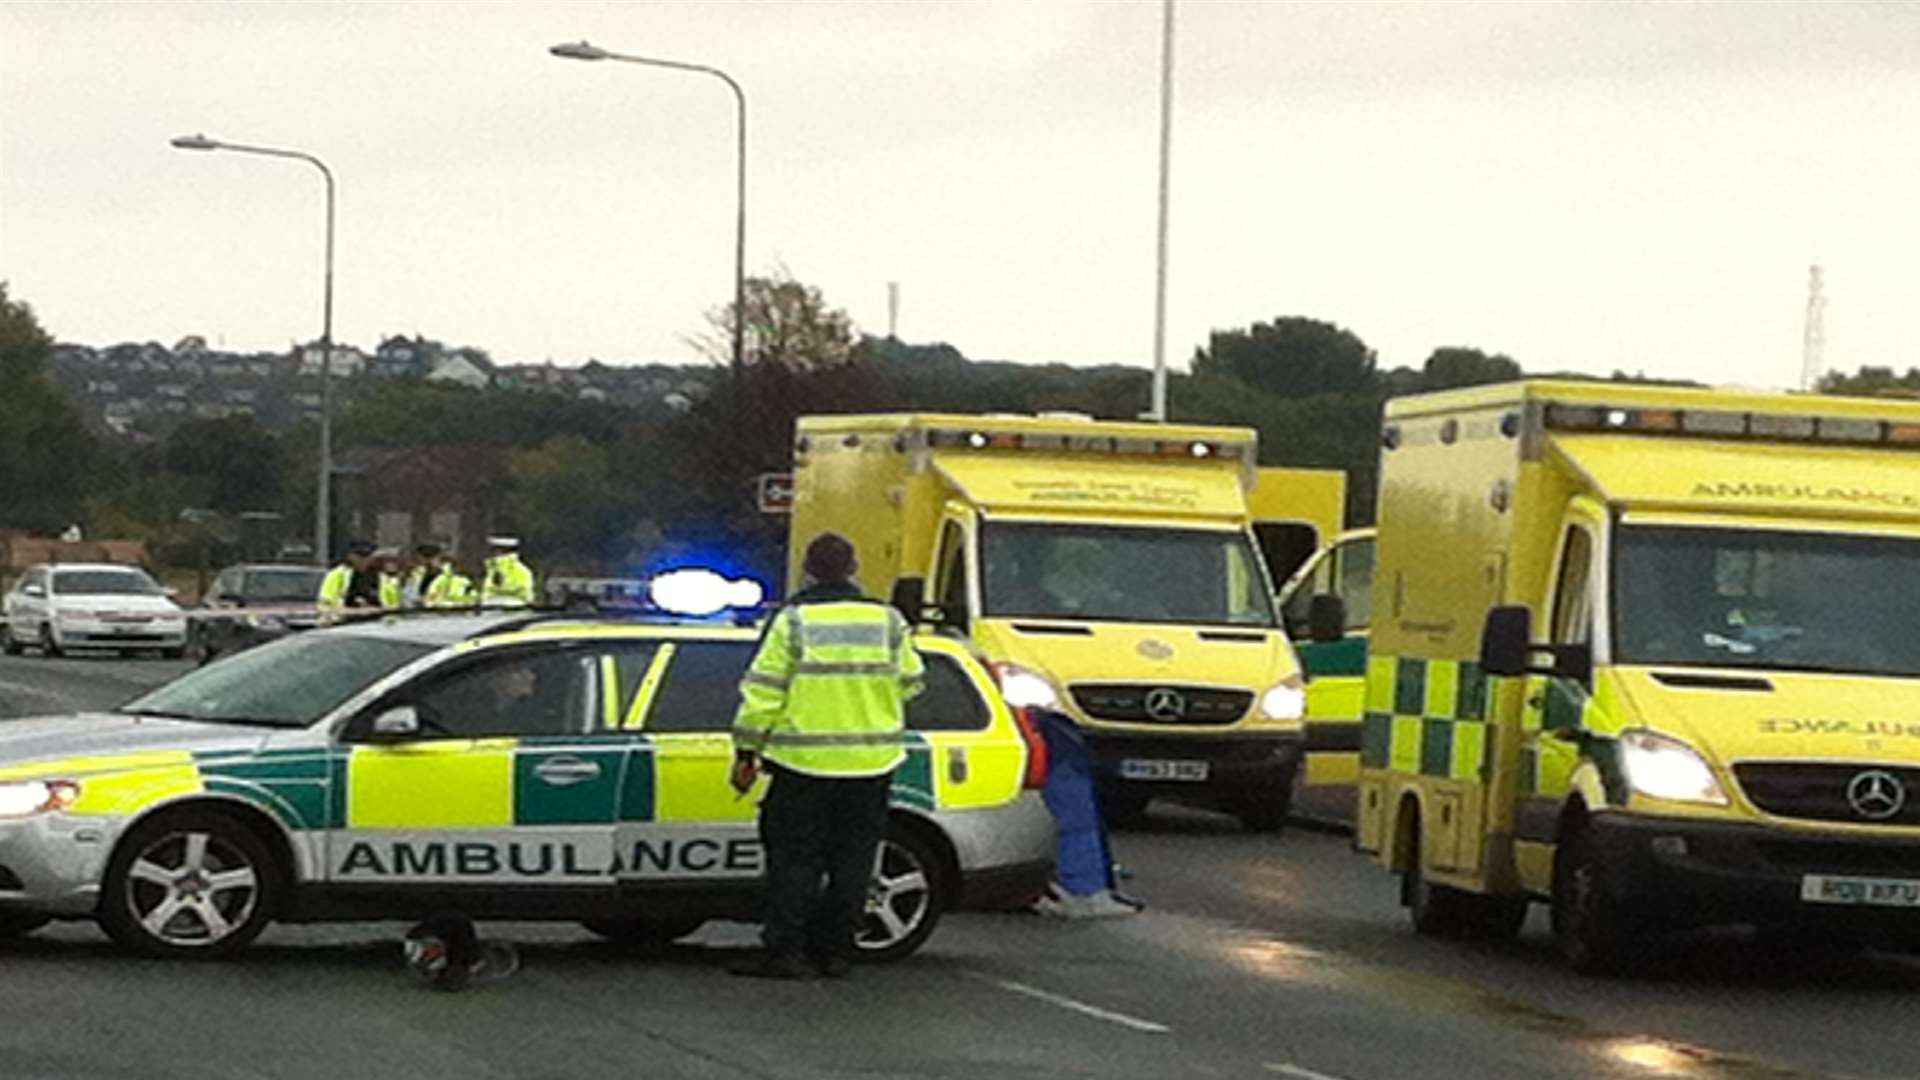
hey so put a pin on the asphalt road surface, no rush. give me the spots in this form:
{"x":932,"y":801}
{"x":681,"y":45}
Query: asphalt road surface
{"x":1258,"y":957}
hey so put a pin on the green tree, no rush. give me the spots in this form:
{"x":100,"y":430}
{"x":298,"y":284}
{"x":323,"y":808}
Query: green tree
{"x":1290,"y":357}
{"x":789,"y":325}
{"x":564,"y":498}
{"x":1872,"y":382}
{"x":234,"y":463}
{"x":1451,"y":366}
{"x":49,"y":462}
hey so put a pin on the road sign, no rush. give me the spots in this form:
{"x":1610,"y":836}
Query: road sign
{"x":774,"y":492}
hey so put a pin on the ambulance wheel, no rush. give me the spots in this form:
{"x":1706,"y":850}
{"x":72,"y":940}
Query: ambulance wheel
{"x":1437,"y":910}
{"x":641,"y":930}
{"x":18,"y":924}
{"x":904,"y":903}
{"x":192,"y":885}
{"x":13,"y":645}
{"x":1593,"y":932}
{"x":49,"y":646}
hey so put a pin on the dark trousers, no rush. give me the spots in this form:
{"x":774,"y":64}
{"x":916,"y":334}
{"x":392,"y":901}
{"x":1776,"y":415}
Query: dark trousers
{"x":820,"y":835}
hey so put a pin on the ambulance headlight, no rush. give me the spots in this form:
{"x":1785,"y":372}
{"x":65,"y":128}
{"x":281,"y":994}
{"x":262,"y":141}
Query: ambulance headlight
{"x":26,"y":798}
{"x":699,"y":591}
{"x":1285,"y":700}
{"x":1660,"y":767}
{"x":1025,"y":688}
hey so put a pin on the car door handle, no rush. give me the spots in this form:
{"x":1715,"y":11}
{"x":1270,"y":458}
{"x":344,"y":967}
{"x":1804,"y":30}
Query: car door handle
{"x":561,"y":772}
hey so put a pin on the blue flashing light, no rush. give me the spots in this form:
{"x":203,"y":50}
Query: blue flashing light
{"x":700,"y":591}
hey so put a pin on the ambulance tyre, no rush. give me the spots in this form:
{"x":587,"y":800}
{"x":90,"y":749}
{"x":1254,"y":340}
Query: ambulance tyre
{"x":910,"y":889}
{"x":189,"y":885}
{"x":13,"y":644}
{"x":1594,"y":933}
{"x":49,"y":645}
{"x":642,"y":930}
{"x":18,"y":924}
{"x":1265,"y":809}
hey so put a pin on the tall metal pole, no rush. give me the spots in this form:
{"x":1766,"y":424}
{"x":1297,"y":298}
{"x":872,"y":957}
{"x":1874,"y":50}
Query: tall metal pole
{"x":1159,"y":410}
{"x":322,"y":507}
{"x":584,"y":51}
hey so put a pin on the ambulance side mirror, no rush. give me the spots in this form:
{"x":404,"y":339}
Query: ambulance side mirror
{"x":1326,"y":617}
{"x":1504,"y":638}
{"x":1506,"y":648}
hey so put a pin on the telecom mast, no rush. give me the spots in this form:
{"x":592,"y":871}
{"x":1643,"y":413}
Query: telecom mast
{"x":1814,"y":346}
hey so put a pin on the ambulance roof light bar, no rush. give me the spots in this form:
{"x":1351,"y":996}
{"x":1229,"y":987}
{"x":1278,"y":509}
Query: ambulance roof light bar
{"x":1056,"y":442}
{"x":1724,"y":424}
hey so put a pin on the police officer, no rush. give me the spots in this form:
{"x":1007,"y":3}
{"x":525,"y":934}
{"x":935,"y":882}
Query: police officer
{"x":508,"y":581}
{"x":821,"y":711}
{"x":391,"y":586}
{"x":352,"y":583}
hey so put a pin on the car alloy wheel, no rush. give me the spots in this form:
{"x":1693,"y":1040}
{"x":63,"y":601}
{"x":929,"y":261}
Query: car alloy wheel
{"x":192,"y":884}
{"x":905,"y":900}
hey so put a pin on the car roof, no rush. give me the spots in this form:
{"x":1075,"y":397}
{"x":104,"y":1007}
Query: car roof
{"x":274,"y":566}
{"x":92,"y":566}
{"x":435,"y":628}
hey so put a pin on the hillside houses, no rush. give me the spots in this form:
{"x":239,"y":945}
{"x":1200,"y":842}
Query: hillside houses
{"x":141,"y":391}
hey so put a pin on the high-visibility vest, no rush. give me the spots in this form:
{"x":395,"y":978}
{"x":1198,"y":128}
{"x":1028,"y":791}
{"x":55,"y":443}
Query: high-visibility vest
{"x":333,"y":589}
{"x":509,"y":581}
{"x":389,"y":590}
{"x":450,"y":589}
{"x":826,"y":690}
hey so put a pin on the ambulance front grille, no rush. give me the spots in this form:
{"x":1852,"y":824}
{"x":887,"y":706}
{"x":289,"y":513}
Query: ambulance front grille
{"x":1139,"y":704}
{"x":1819,"y":791}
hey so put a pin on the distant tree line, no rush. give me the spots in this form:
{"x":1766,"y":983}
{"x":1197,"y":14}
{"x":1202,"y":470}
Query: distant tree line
{"x":592,"y":482}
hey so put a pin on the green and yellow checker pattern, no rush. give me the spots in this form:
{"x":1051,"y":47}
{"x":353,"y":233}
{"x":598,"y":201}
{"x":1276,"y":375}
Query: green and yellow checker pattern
{"x":1426,"y":717}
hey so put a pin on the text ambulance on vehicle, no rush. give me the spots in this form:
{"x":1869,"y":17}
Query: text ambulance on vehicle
{"x":1107,"y":569}
{"x":506,"y":766}
{"x":1651,"y":655}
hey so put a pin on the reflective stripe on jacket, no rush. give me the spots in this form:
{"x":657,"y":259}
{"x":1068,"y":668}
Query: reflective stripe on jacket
{"x":826,"y":690}
{"x":508,"y":581}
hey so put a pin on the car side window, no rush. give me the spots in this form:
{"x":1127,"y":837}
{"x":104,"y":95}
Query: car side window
{"x":950,"y":587}
{"x":951,"y":701}
{"x":623,"y":669}
{"x":1356,"y":582}
{"x":524,"y":693}
{"x":701,"y":688}
{"x":1572,"y":598}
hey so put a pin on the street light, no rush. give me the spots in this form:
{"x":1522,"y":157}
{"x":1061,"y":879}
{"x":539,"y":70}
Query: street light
{"x":583,"y":51}
{"x":321,"y":507}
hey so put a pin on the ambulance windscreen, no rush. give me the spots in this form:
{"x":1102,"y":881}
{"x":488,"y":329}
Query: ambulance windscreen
{"x":1763,"y":598}
{"x":1111,"y":573}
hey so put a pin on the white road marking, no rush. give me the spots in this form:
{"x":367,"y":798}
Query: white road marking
{"x":1081,"y":1007}
{"x":1298,"y":1073}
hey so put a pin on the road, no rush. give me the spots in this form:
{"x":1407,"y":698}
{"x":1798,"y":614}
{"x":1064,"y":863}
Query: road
{"x":1258,"y":957}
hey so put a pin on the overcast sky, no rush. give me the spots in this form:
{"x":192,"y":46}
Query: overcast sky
{"x":1583,"y":186}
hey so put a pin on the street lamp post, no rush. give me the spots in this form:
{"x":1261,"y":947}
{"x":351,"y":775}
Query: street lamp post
{"x":584,"y":51}
{"x":322,"y":507}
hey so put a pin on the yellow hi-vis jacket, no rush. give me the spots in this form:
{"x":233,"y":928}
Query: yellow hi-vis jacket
{"x":450,"y":588}
{"x":509,"y":581}
{"x":333,"y":590}
{"x":389,"y":590}
{"x":824,"y":694}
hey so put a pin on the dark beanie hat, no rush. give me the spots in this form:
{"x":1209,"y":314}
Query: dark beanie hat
{"x":829,"y":559}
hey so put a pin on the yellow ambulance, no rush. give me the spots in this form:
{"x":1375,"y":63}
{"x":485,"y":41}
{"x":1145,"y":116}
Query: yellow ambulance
{"x":1107,"y":569}
{"x":1649,"y":655}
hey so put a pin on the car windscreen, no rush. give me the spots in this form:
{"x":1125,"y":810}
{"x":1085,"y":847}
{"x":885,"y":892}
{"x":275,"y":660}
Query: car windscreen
{"x":1762,"y":598}
{"x":287,"y":683}
{"x":104,"y":583}
{"x":285,"y":585}
{"x":1122,"y":574}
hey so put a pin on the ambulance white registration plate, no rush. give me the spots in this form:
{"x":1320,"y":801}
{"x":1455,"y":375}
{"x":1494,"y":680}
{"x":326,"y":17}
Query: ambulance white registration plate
{"x":1162,"y":769}
{"x":1874,"y":892}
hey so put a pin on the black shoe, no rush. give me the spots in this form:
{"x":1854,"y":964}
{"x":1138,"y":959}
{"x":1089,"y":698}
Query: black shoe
{"x":833,"y":967}
{"x":772,"y":966}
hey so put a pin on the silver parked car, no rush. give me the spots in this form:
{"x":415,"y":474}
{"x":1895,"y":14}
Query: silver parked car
{"x":59,"y":606}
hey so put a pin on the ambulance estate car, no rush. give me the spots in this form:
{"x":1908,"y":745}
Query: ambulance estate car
{"x":507,"y":766}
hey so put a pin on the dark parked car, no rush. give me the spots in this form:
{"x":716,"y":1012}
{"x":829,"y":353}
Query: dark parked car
{"x":252,"y":603}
